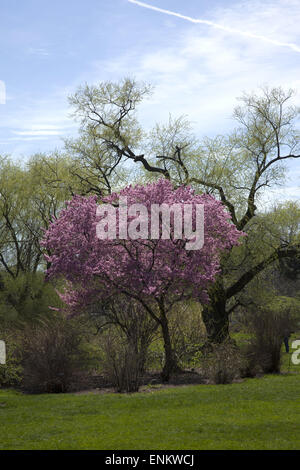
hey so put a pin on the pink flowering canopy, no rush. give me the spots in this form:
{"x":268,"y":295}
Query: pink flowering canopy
{"x":146,"y":268}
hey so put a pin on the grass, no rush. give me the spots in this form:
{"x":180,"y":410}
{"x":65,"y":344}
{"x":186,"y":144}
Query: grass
{"x":255,"y":414}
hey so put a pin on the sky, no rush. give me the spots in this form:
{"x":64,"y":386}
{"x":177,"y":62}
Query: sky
{"x":200,"y":55}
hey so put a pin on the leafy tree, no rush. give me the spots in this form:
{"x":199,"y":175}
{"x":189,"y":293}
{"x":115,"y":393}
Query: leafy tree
{"x":237,"y":168}
{"x":110,"y":134}
{"x":31,"y":194}
{"x":157,"y":273}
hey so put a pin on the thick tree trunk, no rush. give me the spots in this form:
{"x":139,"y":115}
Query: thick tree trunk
{"x":214,"y":314}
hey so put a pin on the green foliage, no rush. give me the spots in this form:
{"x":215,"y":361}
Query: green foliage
{"x":26,"y":299}
{"x":113,"y":150}
{"x":285,"y":305}
{"x":109,"y":134}
{"x":187,"y":331}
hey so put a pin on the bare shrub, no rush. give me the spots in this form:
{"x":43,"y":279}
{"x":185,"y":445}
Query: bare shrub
{"x":52,"y":353}
{"x":187,"y":331}
{"x":268,"y":328}
{"x":134,"y":324}
{"x":122,"y":363}
{"x":223,"y":364}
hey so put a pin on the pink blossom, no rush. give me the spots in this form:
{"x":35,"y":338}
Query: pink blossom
{"x":145,"y":269}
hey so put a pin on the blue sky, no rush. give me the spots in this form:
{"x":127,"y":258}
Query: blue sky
{"x":198,"y":69}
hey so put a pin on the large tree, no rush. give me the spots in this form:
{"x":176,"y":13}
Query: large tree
{"x":237,"y":168}
{"x":155,"y":270}
{"x":31,"y":193}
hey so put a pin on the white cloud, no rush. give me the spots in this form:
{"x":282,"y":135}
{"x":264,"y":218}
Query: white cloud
{"x":223,"y":27}
{"x":38,"y":132}
{"x":39,"y":51}
{"x":276,"y":195}
{"x":199,"y":73}
{"x":29,"y":127}
{"x":202,"y":71}
{"x":163,"y":63}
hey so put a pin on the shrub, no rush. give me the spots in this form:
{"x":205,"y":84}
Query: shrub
{"x":187,"y":331}
{"x":52,"y":353}
{"x":122,"y":362}
{"x":131,"y":321}
{"x":223,"y":364}
{"x":268,"y":328}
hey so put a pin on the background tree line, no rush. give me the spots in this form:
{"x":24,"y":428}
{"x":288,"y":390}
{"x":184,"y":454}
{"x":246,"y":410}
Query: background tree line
{"x":113,"y":150}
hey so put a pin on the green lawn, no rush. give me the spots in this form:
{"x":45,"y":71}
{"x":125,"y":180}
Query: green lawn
{"x":256,"y":414}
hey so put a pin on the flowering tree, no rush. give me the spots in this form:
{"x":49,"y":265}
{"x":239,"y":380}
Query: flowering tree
{"x":157,"y":270}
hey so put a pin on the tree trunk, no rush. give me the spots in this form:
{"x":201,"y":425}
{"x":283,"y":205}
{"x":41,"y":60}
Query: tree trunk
{"x":171,"y":364}
{"x":214,"y":314}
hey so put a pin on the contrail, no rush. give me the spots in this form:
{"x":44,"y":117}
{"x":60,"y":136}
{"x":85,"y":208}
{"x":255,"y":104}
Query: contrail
{"x":291,"y":45}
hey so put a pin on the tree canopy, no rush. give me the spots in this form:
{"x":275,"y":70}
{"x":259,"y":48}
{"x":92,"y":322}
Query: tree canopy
{"x":157,"y":272}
